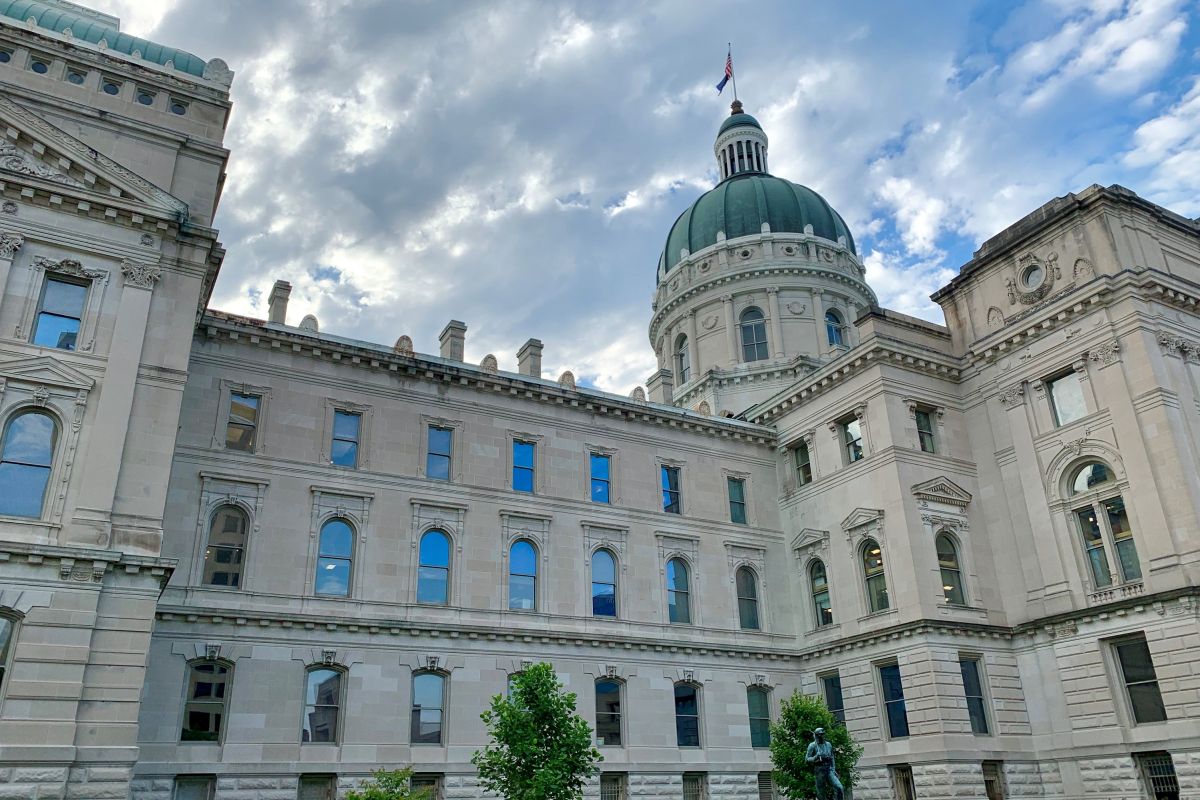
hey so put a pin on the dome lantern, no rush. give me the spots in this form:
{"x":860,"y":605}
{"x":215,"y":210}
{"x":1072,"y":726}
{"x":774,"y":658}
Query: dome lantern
{"x":741,"y":144}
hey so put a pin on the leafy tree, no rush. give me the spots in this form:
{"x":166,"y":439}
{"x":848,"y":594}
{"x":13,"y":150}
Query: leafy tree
{"x":387,"y":785}
{"x":540,"y":748}
{"x":800,"y":715}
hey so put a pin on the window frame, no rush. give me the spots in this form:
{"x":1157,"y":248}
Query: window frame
{"x":1130,"y":709}
{"x":665,"y":471}
{"x":230,"y":424}
{"x":681,"y":354}
{"x":533,"y":471}
{"x":320,"y":554}
{"x":444,"y":718}
{"x":687,"y":593}
{"x":835,"y":329}
{"x":430,"y":427}
{"x":765,"y":693}
{"x":927,"y":436}
{"x":621,"y":779}
{"x":1096,"y":500}
{"x":56,"y":439}
{"x":361,"y":443}
{"x":8,"y":648}
{"x":325,"y":780}
{"x":53,"y":276}
{"x":888,"y":704}
{"x":616,"y":584}
{"x":823,"y":680}
{"x":619,"y":713}
{"x":607,"y":482}
{"x":867,"y":576}
{"x":1152,"y":787}
{"x":512,"y":573}
{"x":698,"y":716}
{"x":996,"y":778}
{"x":189,"y":667}
{"x":434,"y":779}
{"x":1056,"y":418}
{"x":803,"y":467}
{"x":699,"y":778}
{"x":342,"y":673}
{"x":448,"y":569}
{"x":756,"y":598}
{"x":959,"y":582}
{"x":755,"y":348}
{"x":853,"y":446}
{"x":982,"y":699}
{"x":814,"y":593}
{"x":244,"y":549}
{"x":903,"y":781}
{"x":209,"y":785}
{"x":743,"y":484}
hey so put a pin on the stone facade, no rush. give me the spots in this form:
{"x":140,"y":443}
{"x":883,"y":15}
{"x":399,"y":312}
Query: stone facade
{"x":935,"y":475}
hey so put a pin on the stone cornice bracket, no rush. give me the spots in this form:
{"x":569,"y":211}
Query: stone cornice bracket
{"x":141,"y":276}
{"x":212,"y":650}
{"x":10,"y":243}
{"x":1106,"y":354}
{"x":1013,"y":396}
{"x":1174,"y":345}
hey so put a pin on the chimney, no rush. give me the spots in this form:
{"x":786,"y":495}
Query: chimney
{"x":662,"y":386}
{"x":529,"y":358}
{"x":454,"y":340}
{"x":277,"y":302}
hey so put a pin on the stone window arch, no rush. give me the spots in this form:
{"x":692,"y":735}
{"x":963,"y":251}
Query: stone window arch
{"x":679,"y":591}
{"x":335,"y":558}
{"x":206,"y":700}
{"x":323,"y":698}
{"x":874,"y":576}
{"x":604,"y":583}
{"x":28,"y":443}
{"x":1103,"y":524}
{"x":225,"y":548}
{"x":523,"y":576}
{"x":746,"y":582}
{"x":754,"y":335}
{"x":683,"y":363}
{"x":818,"y":582}
{"x":433,"y":568}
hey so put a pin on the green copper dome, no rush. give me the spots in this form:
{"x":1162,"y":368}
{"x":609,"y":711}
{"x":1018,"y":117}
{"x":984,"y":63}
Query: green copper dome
{"x":741,"y":204}
{"x":738,"y":119}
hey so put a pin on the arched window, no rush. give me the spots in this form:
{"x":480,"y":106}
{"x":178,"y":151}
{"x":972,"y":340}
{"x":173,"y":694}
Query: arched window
{"x":226,"y":549}
{"x":820,"y":593}
{"x":604,"y":584}
{"x":428,"y":707}
{"x":608,"y":712}
{"x":433,"y":573}
{"x":747,"y":594}
{"x":952,"y":583}
{"x":1103,"y":523}
{"x":687,"y":715}
{"x":522,"y":576}
{"x":206,"y":698}
{"x":335,"y":554}
{"x":322,"y":705}
{"x":683,"y":363}
{"x":876,"y":581}
{"x":679,"y":604}
{"x":26,"y":456}
{"x":8,"y":639}
{"x":754,"y":335}
{"x":833,"y":328}
{"x":758,"y":699}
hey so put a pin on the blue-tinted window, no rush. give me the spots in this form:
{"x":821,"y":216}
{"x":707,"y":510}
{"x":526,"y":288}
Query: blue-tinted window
{"x":437,"y":460}
{"x":601,"y":479}
{"x":737,"y":500}
{"x":322,"y":706}
{"x":335,"y":552}
{"x":433,"y":572}
{"x":679,"y":604}
{"x":344,"y":449}
{"x":523,"y":455}
{"x":522,"y":576}
{"x":604,"y":584}
{"x":59,"y":317}
{"x":672,"y":503}
{"x":833,"y":328}
{"x":893,"y":700}
{"x":26,"y":456}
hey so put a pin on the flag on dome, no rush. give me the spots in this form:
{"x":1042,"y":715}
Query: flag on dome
{"x":728,"y":72}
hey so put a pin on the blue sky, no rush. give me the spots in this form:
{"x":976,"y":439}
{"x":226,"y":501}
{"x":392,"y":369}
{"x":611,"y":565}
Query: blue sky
{"x":517,"y":165}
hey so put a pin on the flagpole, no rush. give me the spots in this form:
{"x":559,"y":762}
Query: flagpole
{"x":732,"y":72}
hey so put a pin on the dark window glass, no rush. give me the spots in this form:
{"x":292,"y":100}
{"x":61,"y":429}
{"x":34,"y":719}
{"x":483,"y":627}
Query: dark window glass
{"x":318,"y":787}
{"x":1089,"y":477}
{"x":925,"y":430}
{"x":833,"y":328}
{"x":876,"y":580}
{"x":243,"y":422}
{"x":952,"y":586}
{"x":522,"y":576}
{"x":608,"y":713}
{"x":670,"y":490}
{"x":523,"y":454}
{"x":429,"y":692}
{"x":604,"y":584}
{"x":178,"y":107}
{"x":76,"y":78}
{"x":1158,"y":771}
{"x":754,"y":335}
{"x":58,"y":319}
{"x":993,"y":780}
{"x":344,"y":449}
{"x":226,"y":548}
{"x":973,"y":690}
{"x":205,"y":706}
{"x":687,"y":716}
{"x":601,"y":479}
{"x":5,"y":56}
{"x":194,"y":787}
{"x":40,"y":67}
{"x":1093,"y":546}
{"x":26,"y":457}
{"x":737,"y":500}
{"x":822,"y":609}
{"x":803,"y":464}
{"x":747,"y":592}
{"x":7,"y":628}
{"x":893,"y":699}
{"x":831,"y":687}
{"x":758,"y":701}
{"x":335,"y":552}
{"x":433,"y":572}
{"x":852,"y":436}
{"x":111,"y":87}
{"x":1118,"y":524}
{"x":1141,"y":683}
{"x":679,"y":606}
{"x":322,"y":705}
{"x":437,"y":460}
{"x":683,"y":360}
{"x":145,"y":98}
{"x":1066,"y":399}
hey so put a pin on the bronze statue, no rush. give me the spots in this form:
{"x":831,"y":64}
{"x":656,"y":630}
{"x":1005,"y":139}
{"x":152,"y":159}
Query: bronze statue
{"x":820,"y":755}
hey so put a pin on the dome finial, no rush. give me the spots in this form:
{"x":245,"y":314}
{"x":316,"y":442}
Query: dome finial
{"x":735,"y":108}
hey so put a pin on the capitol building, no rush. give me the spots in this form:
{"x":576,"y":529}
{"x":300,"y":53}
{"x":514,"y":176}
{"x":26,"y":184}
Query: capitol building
{"x":244,"y":559}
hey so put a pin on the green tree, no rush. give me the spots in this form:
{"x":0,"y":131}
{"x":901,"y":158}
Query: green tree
{"x":800,"y":715}
{"x":387,"y":785}
{"x":540,"y":748}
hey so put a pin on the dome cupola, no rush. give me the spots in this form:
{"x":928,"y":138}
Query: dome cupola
{"x":741,"y":144}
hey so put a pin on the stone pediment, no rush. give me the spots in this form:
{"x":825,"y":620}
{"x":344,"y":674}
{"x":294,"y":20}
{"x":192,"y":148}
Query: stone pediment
{"x":33,"y":147}
{"x":862,"y":516}
{"x":942,"y":490}
{"x":45,"y":371}
{"x":810,"y":539}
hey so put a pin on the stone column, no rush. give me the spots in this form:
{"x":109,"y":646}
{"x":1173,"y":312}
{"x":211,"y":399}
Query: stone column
{"x":10,"y":243}
{"x":693,"y":345}
{"x":818,"y":304}
{"x":730,"y":329}
{"x":776,"y":322}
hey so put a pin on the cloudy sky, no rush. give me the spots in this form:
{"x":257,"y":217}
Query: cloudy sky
{"x":517,"y":165}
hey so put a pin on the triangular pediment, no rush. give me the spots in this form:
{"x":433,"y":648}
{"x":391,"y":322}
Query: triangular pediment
{"x":942,"y":490}
{"x":809,"y":537}
{"x":35,"y":148}
{"x":860,"y":517}
{"x":44,"y":370}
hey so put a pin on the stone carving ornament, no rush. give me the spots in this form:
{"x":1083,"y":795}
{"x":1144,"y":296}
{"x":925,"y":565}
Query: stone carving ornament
{"x":796,"y":308}
{"x":1034,"y":279}
{"x":14,"y":159}
{"x":709,"y":322}
{"x":1107,"y":353}
{"x":143,"y":276}
{"x":10,"y":243}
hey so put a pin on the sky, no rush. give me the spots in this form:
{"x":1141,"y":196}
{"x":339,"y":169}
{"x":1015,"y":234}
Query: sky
{"x":517,"y":165}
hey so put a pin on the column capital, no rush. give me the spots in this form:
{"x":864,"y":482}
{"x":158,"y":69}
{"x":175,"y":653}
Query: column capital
{"x":141,"y":276}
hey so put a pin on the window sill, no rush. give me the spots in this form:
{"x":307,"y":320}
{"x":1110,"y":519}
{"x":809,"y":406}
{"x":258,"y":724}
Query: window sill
{"x":878,"y":614}
{"x":1117,"y":592}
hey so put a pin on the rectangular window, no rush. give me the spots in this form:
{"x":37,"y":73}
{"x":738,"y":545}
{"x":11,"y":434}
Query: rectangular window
{"x":430,"y":786}
{"x":437,"y":460}
{"x":1141,"y":683}
{"x":831,"y":688}
{"x":766,"y":786}
{"x":243,"y":422}
{"x":852,"y":437}
{"x":758,"y":700}
{"x":318,"y":787}
{"x":902,"y":781}
{"x":522,"y":477}
{"x":1093,"y":545}
{"x":670,"y":490}
{"x":737,"y":500}
{"x":60,"y":313}
{"x":693,"y":785}
{"x":1118,"y":524}
{"x":343,"y":451}
{"x":608,"y":713}
{"x":194,"y":787}
{"x":993,"y":780}
{"x":893,"y":700}
{"x":1066,"y":398}
{"x":601,"y":478}
{"x":1158,"y":774}
{"x":612,"y":786}
{"x":925,"y":430}
{"x":973,"y":690}
{"x":803,"y":464}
